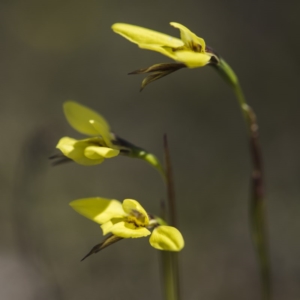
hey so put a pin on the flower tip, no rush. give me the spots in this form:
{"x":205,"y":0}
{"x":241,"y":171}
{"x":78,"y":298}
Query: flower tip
{"x":70,"y":104}
{"x":114,"y":26}
{"x":167,"y":238}
{"x":117,"y":27}
{"x":178,"y":25}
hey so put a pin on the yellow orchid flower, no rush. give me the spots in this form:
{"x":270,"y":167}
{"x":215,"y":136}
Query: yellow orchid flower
{"x":127,"y":220}
{"x":86,"y":152}
{"x":90,"y":151}
{"x":189,"y":50}
{"x":101,"y":145}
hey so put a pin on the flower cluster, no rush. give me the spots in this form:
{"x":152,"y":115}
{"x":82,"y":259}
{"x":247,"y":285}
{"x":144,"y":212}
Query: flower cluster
{"x":129,"y":219}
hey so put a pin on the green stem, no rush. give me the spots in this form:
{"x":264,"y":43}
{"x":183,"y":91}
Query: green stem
{"x":257,"y":201}
{"x":154,"y":162}
{"x":131,"y":150}
{"x":170,"y":275}
{"x":170,"y":185}
{"x":170,"y":259}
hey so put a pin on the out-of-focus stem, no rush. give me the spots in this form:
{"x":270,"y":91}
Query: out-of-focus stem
{"x":170,"y":185}
{"x":170,"y":275}
{"x":257,"y":201}
{"x":170,"y":259}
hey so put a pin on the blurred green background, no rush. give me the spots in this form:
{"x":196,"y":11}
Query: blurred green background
{"x":52,"y":51}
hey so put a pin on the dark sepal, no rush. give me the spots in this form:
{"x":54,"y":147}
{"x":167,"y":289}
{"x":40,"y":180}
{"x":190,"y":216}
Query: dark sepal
{"x":107,"y":242}
{"x":59,"y":159}
{"x":158,"y":71}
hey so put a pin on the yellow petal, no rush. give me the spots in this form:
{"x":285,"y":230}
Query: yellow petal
{"x":166,"y":238}
{"x":107,"y":226}
{"x":79,"y":117}
{"x":140,"y":35}
{"x":74,"y":150}
{"x":190,"y":39}
{"x":100,"y":210}
{"x":192,"y":59}
{"x":102,"y":130}
{"x":163,"y":50}
{"x":66,"y":145}
{"x":96,"y":152}
{"x":128,"y":230}
{"x":136,"y":212}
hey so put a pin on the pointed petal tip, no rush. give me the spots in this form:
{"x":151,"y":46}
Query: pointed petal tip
{"x":115,"y":26}
{"x":133,"y":72}
{"x":86,"y":256}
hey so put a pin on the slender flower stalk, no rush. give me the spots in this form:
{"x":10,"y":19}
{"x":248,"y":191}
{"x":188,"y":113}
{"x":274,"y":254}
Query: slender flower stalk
{"x":170,"y":263}
{"x":258,"y":200}
{"x":137,"y":152}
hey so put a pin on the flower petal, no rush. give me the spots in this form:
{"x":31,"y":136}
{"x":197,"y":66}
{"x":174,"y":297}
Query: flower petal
{"x":102,"y":130}
{"x":74,"y":149}
{"x":140,"y":35}
{"x":136,"y":212}
{"x":190,"y":39}
{"x":192,"y":59}
{"x":79,"y":117}
{"x":167,"y":51}
{"x":166,"y":238}
{"x":107,"y":226}
{"x":99,"y":210}
{"x":129,"y":230}
{"x":96,"y":152}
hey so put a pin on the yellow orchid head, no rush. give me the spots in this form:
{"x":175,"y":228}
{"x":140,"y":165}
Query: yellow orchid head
{"x":101,"y":145}
{"x":190,"y":50}
{"x":89,"y":151}
{"x":127,"y":220}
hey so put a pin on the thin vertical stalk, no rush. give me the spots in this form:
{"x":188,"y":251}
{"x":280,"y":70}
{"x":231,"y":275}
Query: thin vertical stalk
{"x":170,"y":185}
{"x":170,"y":259}
{"x":257,"y":200}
